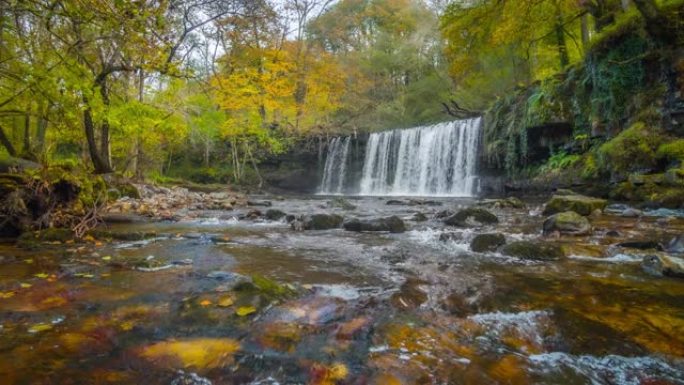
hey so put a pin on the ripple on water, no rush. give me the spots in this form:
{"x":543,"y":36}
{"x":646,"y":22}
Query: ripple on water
{"x":611,"y":369}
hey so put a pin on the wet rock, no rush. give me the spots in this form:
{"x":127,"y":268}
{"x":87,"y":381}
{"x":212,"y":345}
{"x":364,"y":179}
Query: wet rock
{"x":568,"y":222}
{"x":341,"y":203}
{"x":274,"y":214}
{"x":580,"y":204}
{"x":622,"y":210}
{"x":456,"y":304}
{"x":253,"y":214}
{"x":229,"y":280}
{"x":393,"y":224}
{"x":183,"y":378}
{"x":259,"y":203}
{"x":641,"y":245}
{"x":507,"y":203}
{"x":661,"y":265}
{"x":450,"y":237}
{"x":289,"y":218}
{"x":472,"y":216}
{"x":487,"y":242}
{"x":539,"y":251}
{"x":444,"y":214}
{"x":419,"y":217}
{"x":676,"y":245}
{"x":396,"y":202}
{"x":320,"y":222}
{"x":410,"y":296}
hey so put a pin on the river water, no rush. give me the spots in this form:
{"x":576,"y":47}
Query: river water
{"x":338,"y":307}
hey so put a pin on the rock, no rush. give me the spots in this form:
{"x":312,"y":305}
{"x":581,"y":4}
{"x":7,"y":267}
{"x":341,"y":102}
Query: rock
{"x":564,"y":191}
{"x":456,"y":304}
{"x":321,"y":221}
{"x":539,"y":251}
{"x":444,"y":214}
{"x":183,"y":378}
{"x":410,"y":296}
{"x":259,"y":203}
{"x":622,"y":210}
{"x":487,"y":242}
{"x":507,"y":203}
{"x":661,"y":265}
{"x":676,"y":245}
{"x":472,"y":216}
{"x":580,"y":204}
{"x":641,"y":245}
{"x":274,"y":214}
{"x":395,"y":202}
{"x":393,"y":224}
{"x":450,"y":236}
{"x":568,"y":222}
{"x":419,"y":217}
{"x":341,"y":203}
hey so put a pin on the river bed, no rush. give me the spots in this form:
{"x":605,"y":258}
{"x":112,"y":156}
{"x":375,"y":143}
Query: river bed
{"x":250,"y":301}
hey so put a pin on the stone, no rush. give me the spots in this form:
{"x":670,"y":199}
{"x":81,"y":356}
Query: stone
{"x":410,"y":295}
{"x":506,"y":203}
{"x":662,"y":265}
{"x":419,"y":217}
{"x":450,"y":237}
{"x":568,"y":222}
{"x":341,"y":203}
{"x":487,"y":242}
{"x":472,"y":216}
{"x":183,"y":378}
{"x":623,"y":210}
{"x":393,"y":224}
{"x":274,"y":214}
{"x":321,"y":221}
{"x":259,"y":203}
{"x":580,"y":204}
{"x":538,"y":251}
{"x":641,"y":245}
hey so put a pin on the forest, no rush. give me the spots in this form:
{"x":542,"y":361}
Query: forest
{"x":380,"y":192}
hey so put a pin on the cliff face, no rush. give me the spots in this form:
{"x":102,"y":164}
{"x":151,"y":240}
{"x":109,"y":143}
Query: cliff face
{"x":611,"y":125}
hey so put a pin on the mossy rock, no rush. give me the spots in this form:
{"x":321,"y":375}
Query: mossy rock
{"x":580,"y":204}
{"x":537,"y":251}
{"x":341,"y":203}
{"x":472,"y":216}
{"x":393,"y":224}
{"x":322,"y":221}
{"x":274,"y":214}
{"x":567,"y":222}
{"x":487,"y":242}
{"x":36,"y":238}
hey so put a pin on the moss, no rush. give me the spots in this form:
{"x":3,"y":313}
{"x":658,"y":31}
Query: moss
{"x":33,"y":239}
{"x":533,"y":250}
{"x":633,"y":149}
{"x":673,"y":150}
{"x":580,"y":204}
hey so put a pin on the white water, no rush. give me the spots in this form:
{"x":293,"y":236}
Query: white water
{"x":335,"y":170}
{"x":436,"y":160}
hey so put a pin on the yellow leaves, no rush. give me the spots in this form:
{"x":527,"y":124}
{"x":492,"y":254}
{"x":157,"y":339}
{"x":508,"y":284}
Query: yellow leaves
{"x":225,"y":301}
{"x":40,"y":327}
{"x":107,"y":258}
{"x":201,"y":353}
{"x":6,"y":294}
{"x":41,"y":275}
{"x":245,"y":310}
{"x":25,"y":285}
{"x":205,"y":302}
{"x":50,"y":302}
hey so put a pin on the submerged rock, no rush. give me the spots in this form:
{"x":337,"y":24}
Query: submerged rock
{"x":623,"y":210}
{"x":539,"y":251}
{"x":641,"y":245}
{"x":183,"y":378}
{"x":320,"y":222}
{"x":410,"y":295}
{"x":393,"y":224}
{"x":341,"y":203}
{"x":419,"y":217}
{"x":471,"y":216}
{"x":661,"y":265}
{"x":568,"y":222}
{"x":450,"y":236}
{"x":580,"y":204}
{"x":487,"y":242}
{"x":259,"y":203}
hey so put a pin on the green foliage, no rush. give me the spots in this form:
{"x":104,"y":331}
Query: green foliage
{"x":673,"y":150}
{"x":559,"y":161}
{"x":633,"y":149}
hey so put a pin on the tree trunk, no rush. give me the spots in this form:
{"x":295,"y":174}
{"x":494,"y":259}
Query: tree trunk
{"x":7,"y":143}
{"x":41,"y":130}
{"x":560,"y":40}
{"x":26,"y":149}
{"x":585,"y":31}
{"x":101,"y":167}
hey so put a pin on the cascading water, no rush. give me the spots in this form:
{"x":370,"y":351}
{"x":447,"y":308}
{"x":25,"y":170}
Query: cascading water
{"x":335,"y":169}
{"x":436,"y":160}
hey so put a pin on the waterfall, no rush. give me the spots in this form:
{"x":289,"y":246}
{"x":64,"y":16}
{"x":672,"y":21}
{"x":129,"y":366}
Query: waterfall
{"x":335,"y":169}
{"x":435,"y":160}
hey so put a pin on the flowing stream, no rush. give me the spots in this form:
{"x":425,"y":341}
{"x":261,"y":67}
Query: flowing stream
{"x":342,"y":307}
{"x":435,"y":160}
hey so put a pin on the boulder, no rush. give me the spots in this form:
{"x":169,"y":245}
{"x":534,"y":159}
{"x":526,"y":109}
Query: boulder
{"x":580,"y":204}
{"x":623,"y":210}
{"x":341,"y":203}
{"x":450,"y":237}
{"x":274,"y":214}
{"x":507,"y":203}
{"x":472,"y":216}
{"x":393,"y":224}
{"x":568,"y":222}
{"x":538,"y":251}
{"x":661,"y":265}
{"x":641,"y":245}
{"x":419,"y":217}
{"x":259,"y":203}
{"x":487,"y":242}
{"x":321,"y":221}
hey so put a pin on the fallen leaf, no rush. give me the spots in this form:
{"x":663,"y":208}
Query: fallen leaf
{"x":225,"y":301}
{"x":41,"y":327}
{"x":6,"y":294}
{"x":245,"y":310}
{"x":107,"y":258}
{"x":25,"y":285}
{"x":205,"y":302}
{"x":29,"y":261}
{"x":199,"y":353}
{"x":41,"y":275}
